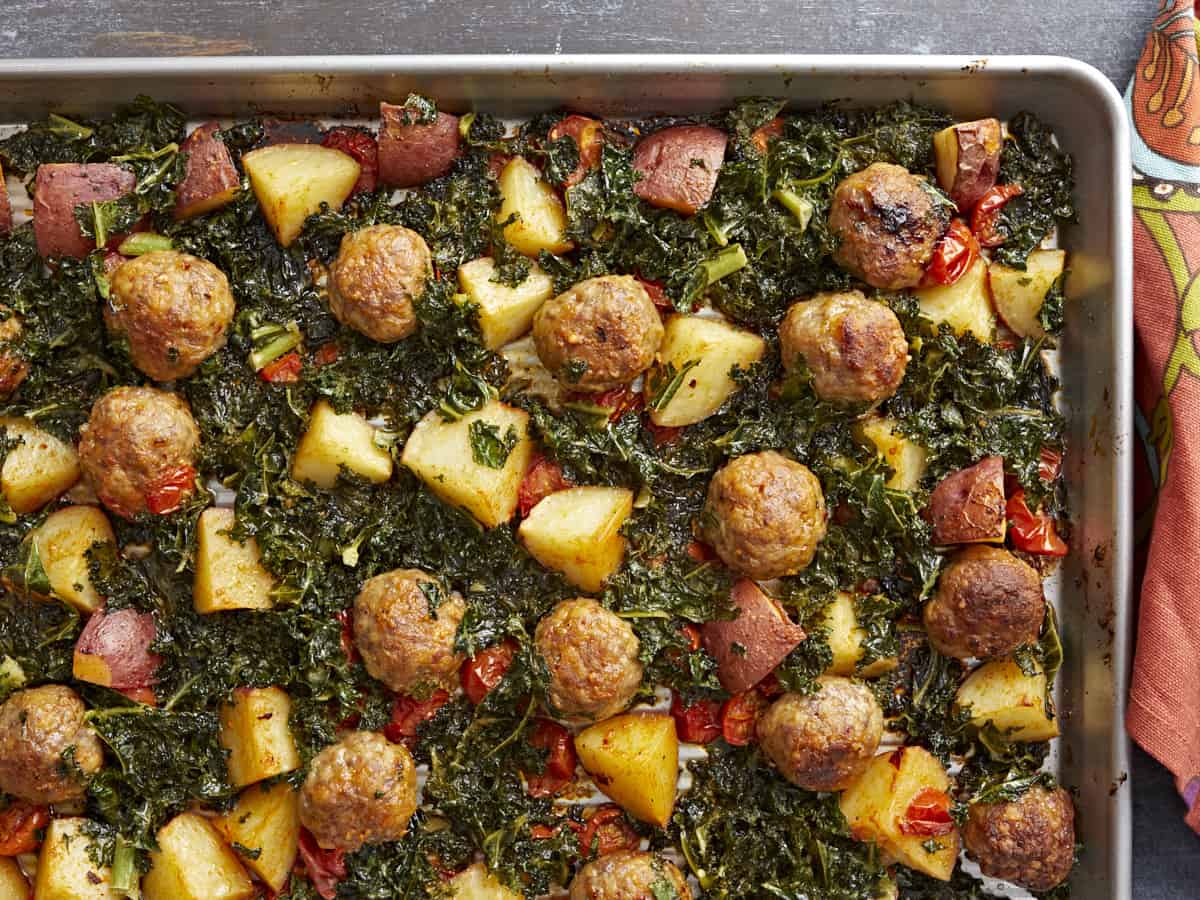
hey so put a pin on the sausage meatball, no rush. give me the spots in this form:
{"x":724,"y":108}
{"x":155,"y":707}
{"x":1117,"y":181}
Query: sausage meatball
{"x":403,"y":643}
{"x":629,"y":875}
{"x":764,"y":515}
{"x":599,"y":335}
{"x":987,"y":604}
{"x":823,"y":741}
{"x":592,"y":656}
{"x":361,"y":790}
{"x":13,"y":367}
{"x":1029,"y":841}
{"x":137,"y":441}
{"x":888,"y":222}
{"x":37,"y":726}
{"x":379,"y":274}
{"x":173,"y":308}
{"x":854,"y":347}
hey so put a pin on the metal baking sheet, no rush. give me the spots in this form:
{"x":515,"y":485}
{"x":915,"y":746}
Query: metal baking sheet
{"x":1081,"y":105}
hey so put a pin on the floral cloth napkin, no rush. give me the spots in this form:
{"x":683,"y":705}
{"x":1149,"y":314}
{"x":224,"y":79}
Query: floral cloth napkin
{"x":1164,"y":104}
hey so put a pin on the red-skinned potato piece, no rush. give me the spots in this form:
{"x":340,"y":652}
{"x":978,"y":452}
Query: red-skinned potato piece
{"x":588,"y":135}
{"x":967,"y":506}
{"x":5,"y":207}
{"x":968,"y":159}
{"x":210,"y":179}
{"x":748,"y":648}
{"x":113,"y":650}
{"x":410,"y":155}
{"x":58,"y":189}
{"x":679,"y":166}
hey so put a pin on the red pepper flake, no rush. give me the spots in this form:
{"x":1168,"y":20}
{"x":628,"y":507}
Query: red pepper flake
{"x":408,"y":714}
{"x":928,"y":815}
{"x":486,"y":669}
{"x":985,"y":219}
{"x":285,"y":370}
{"x":363,"y":148}
{"x":954,"y":254}
{"x":1032,"y":532}
{"x":170,"y":490}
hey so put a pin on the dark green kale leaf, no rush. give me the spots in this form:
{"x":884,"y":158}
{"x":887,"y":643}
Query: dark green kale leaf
{"x":1031,"y":159}
{"x":489,"y":447}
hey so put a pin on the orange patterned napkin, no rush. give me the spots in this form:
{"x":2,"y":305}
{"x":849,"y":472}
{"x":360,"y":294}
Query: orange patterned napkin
{"x":1164,"y":103}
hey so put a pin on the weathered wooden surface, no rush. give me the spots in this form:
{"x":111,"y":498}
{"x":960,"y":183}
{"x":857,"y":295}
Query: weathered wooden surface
{"x":1105,"y":33}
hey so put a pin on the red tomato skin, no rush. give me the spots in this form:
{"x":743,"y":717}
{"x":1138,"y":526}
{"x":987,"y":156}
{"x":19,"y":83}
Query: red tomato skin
{"x":928,"y":815}
{"x":739,"y":715}
{"x":365,"y":150}
{"x":987,"y":213}
{"x":560,"y":761}
{"x":697,"y":722}
{"x":762,"y":137}
{"x":588,"y":135}
{"x":542,"y":478}
{"x":19,"y":827}
{"x":486,"y":669}
{"x":170,"y":491}
{"x":1032,"y":532}
{"x":609,"y":832}
{"x":324,"y":868}
{"x":285,"y":370}
{"x":408,"y":714}
{"x":954,"y":254}
{"x":1049,"y":464}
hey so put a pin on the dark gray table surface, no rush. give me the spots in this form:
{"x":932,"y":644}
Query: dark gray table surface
{"x":1106,"y":33}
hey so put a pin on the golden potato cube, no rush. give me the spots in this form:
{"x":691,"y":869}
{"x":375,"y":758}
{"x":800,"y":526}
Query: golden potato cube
{"x":1019,"y":295}
{"x":63,"y":542}
{"x":505,"y":313}
{"x":542,"y":221}
{"x":229,"y":574}
{"x":879,"y":807}
{"x":64,"y":869}
{"x":634,"y":759}
{"x":193,"y":863}
{"x":577,"y":531}
{"x":266,"y":819}
{"x":332,"y":441}
{"x":13,"y":885}
{"x":38,"y":469}
{"x":477,"y":883}
{"x":701,"y":353}
{"x":457,"y":460}
{"x":256,"y":730}
{"x":965,"y":305}
{"x":291,"y":181}
{"x":1013,"y":702}
{"x":906,"y":457}
{"x":845,"y":638}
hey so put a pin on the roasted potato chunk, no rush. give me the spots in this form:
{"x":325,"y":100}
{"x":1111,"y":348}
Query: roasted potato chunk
{"x":291,"y":181}
{"x":967,"y":506}
{"x":749,"y":647}
{"x":679,"y":166}
{"x":634,"y":759}
{"x":210,"y":179}
{"x":1020,"y":295}
{"x":58,"y":189}
{"x":412,"y":153}
{"x":968,"y":159}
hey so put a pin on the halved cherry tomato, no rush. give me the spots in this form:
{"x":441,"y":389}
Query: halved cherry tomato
{"x":408,"y":714}
{"x":1032,"y":532}
{"x":284,"y":370}
{"x":19,"y":827}
{"x":543,"y":477}
{"x":700,"y":552}
{"x":486,"y":669}
{"x":325,"y":354}
{"x":620,"y":400}
{"x":324,"y":868}
{"x":1049,"y":464}
{"x":588,"y":135}
{"x":928,"y":815}
{"x":762,"y":137}
{"x":986,"y":216}
{"x":560,"y":760}
{"x":544,"y":832}
{"x":697,"y":722}
{"x":365,"y":150}
{"x":694,"y":637}
{"x":171,"y":489}
{"x":663,"y":434}
{"x":739,"y":714}
{"x":607,"y":831}
{"x":346,"y":620}
{"x":954,"y":254}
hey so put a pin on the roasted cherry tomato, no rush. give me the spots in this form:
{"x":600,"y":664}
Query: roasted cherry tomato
{"x":657,"y":295}
{"x":697,"y":722}
{"x":694,"y":637}
{"x":954,"y":254}
{"x":1049,"y":464}
{"x":588,"y":135}
{"x":700,"y":552}
{"x":365,"y":150}
{"x":284,"y":370}
{"x":324,"y":868}
{"x":664,"y":435}
{"x":486,"y":669}
{"x":408,"y":714}
{"x":560,"y":759}
{"x":1032,"y":532}
{"x":620,"y":400}
{"x":325,"y":354}
{"x":928,"y":815}
{"x":739,"y":714}
{"x":544,"y":832}
{"x":762,"y":137}
{"x":607,"y":831}
{"x":168,"y":493}
{"x":19,"y":828}
{"x":770,"y":687}
{"x":985,"y":219}
{"x":543,"y":477}
{"x":346,"y":621}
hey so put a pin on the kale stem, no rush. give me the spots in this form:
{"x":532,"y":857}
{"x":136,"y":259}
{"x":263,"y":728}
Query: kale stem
{"x":179,"y":694}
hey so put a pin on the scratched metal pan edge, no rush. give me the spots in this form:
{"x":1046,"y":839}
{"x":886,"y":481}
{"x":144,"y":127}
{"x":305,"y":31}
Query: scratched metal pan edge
{"x":1087,"y":115}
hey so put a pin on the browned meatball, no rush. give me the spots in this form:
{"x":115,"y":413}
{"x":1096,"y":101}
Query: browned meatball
{"x":13,"y":367}
{"x":403,"y":643}
{"x":629,"y":875}
{"x":764,"y":516}
{"x":854,"y":347}
{"x":378,"y":275}
{"x":138,"y":441}
{"x":173,"y":308}
{"x":823,"y":741}
{"x":36,"y":727}
{"x":592,"y":656}
{"x":361,"y":790}
{"x":888,"y":222}
{"x":599,"y":335}
{"x":1029,"y":841}
{"x":987,"y":604}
